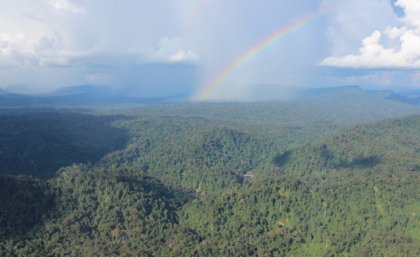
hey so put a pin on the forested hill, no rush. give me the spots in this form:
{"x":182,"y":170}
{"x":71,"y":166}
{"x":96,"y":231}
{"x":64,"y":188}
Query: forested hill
{"x":169,"y":181}
{"x":190,"y":145}
{"x":206,"y":158}
{"x":338,"y":106}
{"x":38,"y":143}
{"x":86,"y":212}
{"x":351,"y":194}
{"x":351,"y":210}
{"x":391,"y":145}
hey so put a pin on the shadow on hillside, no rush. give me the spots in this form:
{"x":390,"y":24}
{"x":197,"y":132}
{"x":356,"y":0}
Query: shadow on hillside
{"x":281,"y":159}
{"x":38,"y":144}
{"x":362,"y":162}
{"x":23,"y":204}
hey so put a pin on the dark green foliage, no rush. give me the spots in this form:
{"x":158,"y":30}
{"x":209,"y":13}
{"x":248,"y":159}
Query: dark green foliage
{"x":38,"y":144}
{"x":203,"y":158}
{"x":291,"y":123}
{"x":177,"y":187}
{"x":312,"y":216}
{"x":100,"y":213}
{"x":24,"y":202}
{"x":391,"y":145}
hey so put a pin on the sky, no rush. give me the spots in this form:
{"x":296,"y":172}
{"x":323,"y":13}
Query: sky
{"x":209,"y":49}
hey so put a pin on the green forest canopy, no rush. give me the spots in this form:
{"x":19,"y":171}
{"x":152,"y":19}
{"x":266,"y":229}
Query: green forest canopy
{"x":168,"y":181}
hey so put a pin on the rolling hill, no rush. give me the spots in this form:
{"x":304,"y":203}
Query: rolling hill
{"x":325,"y":179}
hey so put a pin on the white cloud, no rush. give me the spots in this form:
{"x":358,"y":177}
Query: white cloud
{"x":411,"y":10}
{"x":173,"y":50}
{"x":67,"y":5}
{"x":351,"y":21}
{"x":22,"y":50}
{"x":52,"y":43}
{"x":37,"y":34}
{"x":394,"y":47}
{"x":184,"y":56}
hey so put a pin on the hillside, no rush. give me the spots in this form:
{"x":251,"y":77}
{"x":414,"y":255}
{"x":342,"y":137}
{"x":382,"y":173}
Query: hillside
{"x":342,"y":214}
{"x":353,"y":193}
{"x":94,"y":213}
{"x":389,"y":145}
{"x":204,"y":158}
{"x":168,"y":181}
{"x":39,"y":143}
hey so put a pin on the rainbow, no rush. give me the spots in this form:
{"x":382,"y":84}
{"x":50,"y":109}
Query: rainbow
{"x":252,"y":52}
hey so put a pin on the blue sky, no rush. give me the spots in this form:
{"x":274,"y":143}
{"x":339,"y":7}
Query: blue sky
{"x":173,"y":47}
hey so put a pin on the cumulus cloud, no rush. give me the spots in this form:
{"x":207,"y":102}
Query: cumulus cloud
{"x":173,"y":50}
{"x":34,"y":34}
{"x":184,"y":56}
{"x":67,"y":5}
{"x":47,"y":44}
{"x":393,"y":47}
{"x":43,"y":35}
{"x":411,"y":10}
{"x":22,"y":50}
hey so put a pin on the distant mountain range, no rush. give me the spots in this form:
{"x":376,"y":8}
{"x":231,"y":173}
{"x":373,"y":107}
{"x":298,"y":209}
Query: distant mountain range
{"x":103,"y":95}
{"x":79,"y":95}
{"x":404,"y":96}
{"x":410,"y":98}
